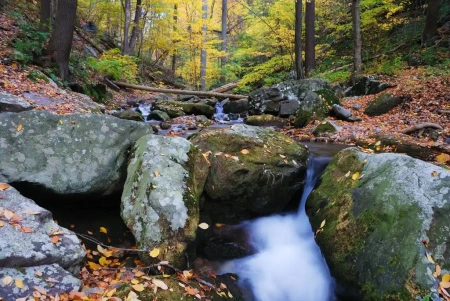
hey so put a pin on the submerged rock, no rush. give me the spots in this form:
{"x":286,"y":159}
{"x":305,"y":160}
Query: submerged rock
{"x":254,"y":171}
{"x":171,"y":108}
{"x":160,"y":200}
{"x":379,"y":209}
{"x":27,"y":243}
{"x":72,"y":155}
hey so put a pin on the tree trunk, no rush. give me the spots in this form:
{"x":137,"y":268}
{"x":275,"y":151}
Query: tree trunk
{"x":45,"y":15}
{"x":126,"y":10}
{"x":174,"y":53}
{"x":298,"y":40}
{"x":62,"y":35}
{"x":136,"y":29}
{"x":431,"y":22}
{"x":310,"y":51}
{"x":203,"y":52}
{"x":357,"y":41}
{"x":223,"y":59}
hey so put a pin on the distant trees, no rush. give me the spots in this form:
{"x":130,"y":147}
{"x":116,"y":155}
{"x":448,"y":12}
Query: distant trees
{"x":298,"y":40}
{"x":203,"y":51}
{"x":223,"y":59}
{"x":357,"y":41}
{"x":310,"y":41}
{"x":431,"y":21}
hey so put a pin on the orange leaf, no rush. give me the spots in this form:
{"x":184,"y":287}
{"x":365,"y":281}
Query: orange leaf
{"x":55,"y":239}
{"x":3,"y":186}
{"x":19,"y":128}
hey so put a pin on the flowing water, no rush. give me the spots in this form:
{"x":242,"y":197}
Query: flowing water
{"x":288,"y":264}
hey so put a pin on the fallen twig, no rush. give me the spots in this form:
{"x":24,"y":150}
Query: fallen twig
{"x":421,"y":126}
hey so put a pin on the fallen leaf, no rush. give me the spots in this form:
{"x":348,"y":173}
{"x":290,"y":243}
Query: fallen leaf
{"x":154,"y":253}
{"x":103,"y":230}
{"x":156,"y":173}
{"x":94,"y":266}
{"x":1,"y":224}
{"x":245,"y":151}
{"x":139,"y":274}
{"x":203,"y":226}
{"x":322,"y":224}
{"x":90,"y":233}
{"x":7,"y":280}
{"x":230,"y":295}
{"x":8,"y":214}
{"x":438,"y":270}
{"x":40,"y":290}
{"x":111,"y":292}
{"x":430,"y":259}
{"x":32,"y":212}
{"x":3,"y":186}
{"x":442,"y":158}
{"x":19,"y":283}
{"x":76,"y":295}
{"x":282,"y":156}
{"x":378,"y":143}
{"x":434,"y":173}
{"x":347,"y":174}
{"x":38,"y":273}
{"x":446,"y":277}
{"x":134,"y":281}
{"x":19,"y":128}
{"x":55,"y":239}
{"x":160,"y":284}
{"x":26,"y":229}
{"x":355,"y":176}
{"x":444,"y":284}
{"x":138,"y":287}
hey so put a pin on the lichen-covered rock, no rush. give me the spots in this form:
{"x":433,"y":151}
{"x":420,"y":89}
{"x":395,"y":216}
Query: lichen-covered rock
{"x":378,"y":211}
{"x":265,"y":120}
{"x":313,"y":97}
{"x":72,"y":155}
{"x":158,"y":115}
{"x":28,"y":243}
{"x":365,"y":86}
{"x":382,"y":104}
{"x":54,"y":280}
{"x":160,"y":201}
{"x":326,"y":126}
{"x":11,"y":103}
{"x":254,"y":171}
{"x":129,"y":115}
{"x":170,"y":107}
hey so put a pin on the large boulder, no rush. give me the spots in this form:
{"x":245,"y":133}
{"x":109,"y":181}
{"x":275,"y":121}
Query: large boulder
{"x":236,"y":106}
{"x":160,"y":200}
{"x":266,"y":120}
{"x":383,"y":214}
{"x":307,"y":98}
{"x":188,"y":108}
{"x":129,"y":115}
{"x":11,"y":103}
{"x":26,"y":246}
{"x":365,"y":86}
{"x":382,"y":104}
{"x":71,"y":155}
{"x":253,"y":172}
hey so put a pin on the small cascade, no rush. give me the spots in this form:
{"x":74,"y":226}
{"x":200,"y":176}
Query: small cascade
{"x":219,"y":115}
{"x":288,"y":264}
{"x":145,"y":110}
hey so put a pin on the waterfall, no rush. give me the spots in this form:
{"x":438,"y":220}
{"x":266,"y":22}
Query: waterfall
{"x":288,"y":265}
{"x":145,"y":110}
{"x":219,"y":115}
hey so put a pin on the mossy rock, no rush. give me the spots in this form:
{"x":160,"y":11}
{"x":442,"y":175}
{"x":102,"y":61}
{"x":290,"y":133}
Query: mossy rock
{"x":326,"y":126}
{"x":158,"y":115}
{"x":308,"y":113}
{"x":383,"y":104}
{"x":171,"y":110}
{"x":129,"y":115}
{"x":254,"y":171}
{"x":187,"y":107}
{"x":266,"y":120}
{"x":160,"y":200}
{"x":378,"y":209}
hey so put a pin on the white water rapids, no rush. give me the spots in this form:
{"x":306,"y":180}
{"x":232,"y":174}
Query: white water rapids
{"x":288,"y":264}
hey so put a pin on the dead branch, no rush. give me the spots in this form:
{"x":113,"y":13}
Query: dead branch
{"x":110,"y":84}
{"x":89,"y":41}
{"x":421,"y":126}
{"x":225,"y":88}
{"x":177,"y":91}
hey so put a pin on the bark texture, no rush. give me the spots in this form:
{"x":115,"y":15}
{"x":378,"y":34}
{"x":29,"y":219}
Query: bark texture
{"x":44,"y":14}
{"x":126,"y":6}
{"x":310,"y":52}
{"x":135,"y":32}
{"x":431,"y":25}
{"x":357,"y":41}
{"x":298,"y":39}
{"x":203,"y":52}
{"x":223,"y":59}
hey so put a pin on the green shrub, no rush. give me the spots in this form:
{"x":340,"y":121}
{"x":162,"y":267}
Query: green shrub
{"x":29,"y":42}
{"x":114,"y":65}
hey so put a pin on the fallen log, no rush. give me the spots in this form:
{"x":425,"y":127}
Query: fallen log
{"x":225,"y":88}
{"x":110,"y":84}
{"x":177,"y":91}
{"x":421,"y":126}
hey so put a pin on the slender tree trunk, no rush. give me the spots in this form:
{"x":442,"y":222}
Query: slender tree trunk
{"x":62,"y":35}
{"x":126,"y":6}
{"x":45,"y":15}
{"x":298,"y":39}
{"x":223,"y":59}
{"x":174,"y":53}
{"x":310,"y":51}
{"x":203,"y":52}
{"x":357,"y":41}
{"x":431,"y":22}
{"x":136,"y":29}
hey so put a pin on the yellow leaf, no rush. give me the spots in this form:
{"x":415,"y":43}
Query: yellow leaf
{"x":93,"y":265}
{"x":60,"y":121}
{"x":203,"y":226}
{"x":134,"y":281}
{"x":154,"y":253}
{"x":446,"y":277}
{"x":3,"y":186}
{"x":322,"y":224}
{"x":230,"y":295}
{"x":434,"y":173}
{"x":19,"y":128}
{"x":245,"y":151}
{"x":103,"y":261}
{"x":19,"y":283}
{"x":111,"y":292}
{"x":7,"y":280}
{"x":442,"y":158}
{"x":355,"y":176}
{"x":138,"y":287}
{"x":378,"y":143}
{"x":103,"y":230}
{"x":1,"y":224}
{"x":156,"y":172}
{"x":430,"y":259}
